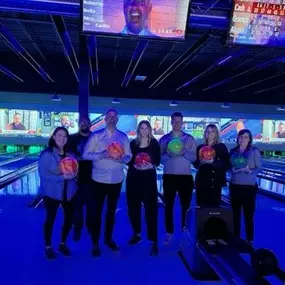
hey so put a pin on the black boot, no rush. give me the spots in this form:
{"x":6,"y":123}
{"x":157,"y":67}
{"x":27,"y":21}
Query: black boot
{"x":96,"y":252}
{"x":135,"y":239}
{"x":154,"y":249}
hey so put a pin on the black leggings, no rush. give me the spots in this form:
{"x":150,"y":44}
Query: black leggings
{"x":51,"y":206}
{"x":243,"y":197}
{"x":142,"y":188}
{"x":183,"y":184}
{"x":208,"y":197}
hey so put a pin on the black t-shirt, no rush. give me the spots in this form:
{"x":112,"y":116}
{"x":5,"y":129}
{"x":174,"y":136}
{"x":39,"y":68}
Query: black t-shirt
{"x":76,"y":145}
{"x":153,"y":150}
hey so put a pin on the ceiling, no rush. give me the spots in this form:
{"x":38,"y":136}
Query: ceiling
{"x":218,"y":73}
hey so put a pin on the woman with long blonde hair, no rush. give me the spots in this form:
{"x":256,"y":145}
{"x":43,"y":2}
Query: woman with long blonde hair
{"x":211,"y":174}
{"x":141,"y":184}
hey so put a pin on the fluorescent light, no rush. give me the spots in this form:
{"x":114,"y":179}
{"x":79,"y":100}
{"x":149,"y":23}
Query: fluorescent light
{"x":281,"y":108}
{"x":140,"y":78}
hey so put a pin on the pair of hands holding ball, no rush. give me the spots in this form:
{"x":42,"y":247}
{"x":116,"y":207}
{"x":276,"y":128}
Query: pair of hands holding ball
{"x":119,"y":158}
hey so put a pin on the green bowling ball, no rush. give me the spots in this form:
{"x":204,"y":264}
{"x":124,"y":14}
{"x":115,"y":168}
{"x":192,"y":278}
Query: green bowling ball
{"x":238,"y":160}
{"x":175,"y":146}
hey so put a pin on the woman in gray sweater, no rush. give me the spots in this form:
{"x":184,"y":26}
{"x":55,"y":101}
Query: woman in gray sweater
{"x":245,"y":165}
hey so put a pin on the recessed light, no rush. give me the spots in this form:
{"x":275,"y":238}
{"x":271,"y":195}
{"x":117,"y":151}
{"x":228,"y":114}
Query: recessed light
{"x":116,"y":101}
{"x":173,"y":104}
{"x":226,"y":106}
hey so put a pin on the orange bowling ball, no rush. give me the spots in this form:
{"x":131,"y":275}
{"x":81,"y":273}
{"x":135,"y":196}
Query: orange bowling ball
{"x":207,"y":153}
{"x":115,"y":150}
{"x":69,"y":166}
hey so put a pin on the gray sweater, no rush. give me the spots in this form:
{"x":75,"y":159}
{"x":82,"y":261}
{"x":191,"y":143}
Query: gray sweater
{"x":178,"y":165}
{"x":254,"y":162}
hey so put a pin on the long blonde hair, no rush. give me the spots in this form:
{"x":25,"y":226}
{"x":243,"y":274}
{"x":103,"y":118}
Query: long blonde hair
{"x":217,"y":133}
{"x":150,"y":135}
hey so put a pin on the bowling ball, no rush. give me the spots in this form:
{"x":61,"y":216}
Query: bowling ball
{"x":207,"y":153}
{"x":264,"y":261}
{"x":115,"y":150}
{"x":175,"y":146}
{"x":142,"y":158}
{"x":238,"y":160}
{"x":69,"y":166}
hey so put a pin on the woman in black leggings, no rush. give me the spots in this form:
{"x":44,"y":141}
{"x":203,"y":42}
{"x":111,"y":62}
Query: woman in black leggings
{"x":246,"y":163}
{"x":141,"y":184}
{"x":57,"y":189}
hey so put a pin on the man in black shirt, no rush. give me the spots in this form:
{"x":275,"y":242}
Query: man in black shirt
{"x":76,"y":145}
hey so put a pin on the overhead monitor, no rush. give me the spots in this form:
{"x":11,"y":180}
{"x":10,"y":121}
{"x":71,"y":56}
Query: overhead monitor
{"x":151,"y":19}
{"x":257,"y":23}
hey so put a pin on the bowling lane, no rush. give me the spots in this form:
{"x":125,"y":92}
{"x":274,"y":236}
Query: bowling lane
{"x":9,"y":167}
{"x":22,"y":247}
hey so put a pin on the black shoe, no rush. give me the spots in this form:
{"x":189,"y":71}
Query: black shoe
{"x":112,"y":245}
{"x":64,"y":250}
{"x":154,"y":249}
{"x":50,"y":254}
{"x":250,"y":243}
{"x":135,"y":240}
{"x":76,"y":235}
{"x":96,"y":252}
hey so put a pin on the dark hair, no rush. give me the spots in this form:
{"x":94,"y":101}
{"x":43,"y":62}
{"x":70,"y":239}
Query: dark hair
{"x":177,"y":114}
{"x":241,"y":133}
{"x":51,"y":142}
{"x":111,"y":110}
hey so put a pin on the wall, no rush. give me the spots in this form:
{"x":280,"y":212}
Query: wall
{"x":137,"y":106}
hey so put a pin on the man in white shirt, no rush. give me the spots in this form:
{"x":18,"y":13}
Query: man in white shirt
{"x":107,"y":176}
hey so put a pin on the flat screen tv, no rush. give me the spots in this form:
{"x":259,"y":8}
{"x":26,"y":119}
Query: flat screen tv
{"x":257,"y":23}
{"x":152,"y":19}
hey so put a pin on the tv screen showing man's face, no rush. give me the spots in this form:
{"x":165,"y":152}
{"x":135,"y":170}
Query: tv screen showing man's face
{"x":136,"y":14}
{"x":138,"y":18}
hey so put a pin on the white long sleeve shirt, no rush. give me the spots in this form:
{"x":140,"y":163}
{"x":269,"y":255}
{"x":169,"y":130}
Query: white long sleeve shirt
{"x":107,"y":170}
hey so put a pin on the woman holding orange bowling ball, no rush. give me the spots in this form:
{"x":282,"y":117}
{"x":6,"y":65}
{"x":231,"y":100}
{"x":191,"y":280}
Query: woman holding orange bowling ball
{"x":245,"y":165}
{"x":58,"y":188}
{"x":141,"y":184}
{"x":212,"y":163}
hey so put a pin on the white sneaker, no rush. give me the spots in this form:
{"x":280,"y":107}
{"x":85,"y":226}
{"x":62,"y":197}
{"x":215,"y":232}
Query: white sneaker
{"x":168,"y":239}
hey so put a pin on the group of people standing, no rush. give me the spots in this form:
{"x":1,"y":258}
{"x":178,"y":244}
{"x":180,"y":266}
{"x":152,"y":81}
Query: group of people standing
{"x":101,"y":176}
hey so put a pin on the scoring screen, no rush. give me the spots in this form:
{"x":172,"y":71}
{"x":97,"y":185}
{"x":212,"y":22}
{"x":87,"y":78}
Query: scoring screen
{"x":260,"y":23}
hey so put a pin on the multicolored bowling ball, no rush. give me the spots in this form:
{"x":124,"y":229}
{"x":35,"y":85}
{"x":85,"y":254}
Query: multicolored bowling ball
{"x":175,"y":146}
{"x":238,"y":160}
{"x":69,"y":166}
{"x":207,"y":153}
{"x":115,"y":150}
{"x":142,"y":158}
